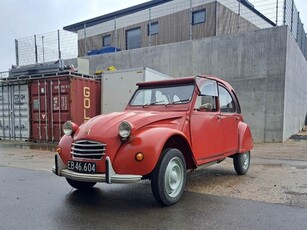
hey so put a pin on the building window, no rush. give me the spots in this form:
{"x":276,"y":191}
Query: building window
{"x":106,"y":40}
{"x":133,"y":38}
{"x":153,"y":28}
{"x":198,"y":16}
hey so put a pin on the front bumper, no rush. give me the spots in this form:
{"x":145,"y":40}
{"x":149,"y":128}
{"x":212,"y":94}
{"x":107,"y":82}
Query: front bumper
{"x":109,"y":177}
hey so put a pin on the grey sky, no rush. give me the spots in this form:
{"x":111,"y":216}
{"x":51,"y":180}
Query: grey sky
{"x":24,"y":18}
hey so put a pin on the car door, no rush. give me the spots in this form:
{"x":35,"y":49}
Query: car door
{"x":230,"y":119}
{"x":206,"y":132}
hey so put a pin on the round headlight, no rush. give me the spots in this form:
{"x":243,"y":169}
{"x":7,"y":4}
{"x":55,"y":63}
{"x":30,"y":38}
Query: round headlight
{"x":67,"y":128}
{"x":124,"y":129}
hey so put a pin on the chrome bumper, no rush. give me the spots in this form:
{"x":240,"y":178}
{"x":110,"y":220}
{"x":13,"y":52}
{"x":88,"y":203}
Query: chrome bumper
{"x":109,"y":177}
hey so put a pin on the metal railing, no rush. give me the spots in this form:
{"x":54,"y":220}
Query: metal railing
{"x":47,"y":47}
{"x":65,"y":45}
{"x":4,"y":74}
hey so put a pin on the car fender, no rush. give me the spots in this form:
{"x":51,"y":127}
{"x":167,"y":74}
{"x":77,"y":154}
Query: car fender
{"x":245,"y":138}
{"x":150,"y":142}
{"x":65,"y":145}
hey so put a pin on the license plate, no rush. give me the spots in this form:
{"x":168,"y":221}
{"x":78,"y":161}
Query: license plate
{"x":82,"y":167}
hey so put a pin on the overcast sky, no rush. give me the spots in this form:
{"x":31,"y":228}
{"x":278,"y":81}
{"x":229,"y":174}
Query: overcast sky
{"x":25,"y":18}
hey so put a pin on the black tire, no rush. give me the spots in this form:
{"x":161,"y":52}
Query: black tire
{"x":80,"y":185}
{"x":241,"y":162}
{"x":169,"y":177}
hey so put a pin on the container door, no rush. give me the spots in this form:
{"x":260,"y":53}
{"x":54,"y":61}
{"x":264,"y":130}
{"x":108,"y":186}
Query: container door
{"x":39,"y":110}
{"x":85,"y":99}
{"x":14,"y":111}
{"x":60,"y":106}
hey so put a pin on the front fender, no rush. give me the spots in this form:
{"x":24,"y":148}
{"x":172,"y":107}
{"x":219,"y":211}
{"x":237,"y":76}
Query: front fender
{"x":65,"y":145}
{"x":150,"y":142}
{"x":245,"y":138}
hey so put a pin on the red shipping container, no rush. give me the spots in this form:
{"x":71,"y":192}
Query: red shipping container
{"x":57,"y":99}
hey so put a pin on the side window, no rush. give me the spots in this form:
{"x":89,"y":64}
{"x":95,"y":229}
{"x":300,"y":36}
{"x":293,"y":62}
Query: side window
{"x":206,"y":101}
{"x":106,"y":40}
{"x":227,"y":103}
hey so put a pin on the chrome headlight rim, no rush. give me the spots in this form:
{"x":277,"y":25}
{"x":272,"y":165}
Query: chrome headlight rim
{"x":124,"y":129}
{"x":67,"y":128}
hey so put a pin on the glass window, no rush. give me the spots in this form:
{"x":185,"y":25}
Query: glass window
{"x":163,"y":95}
{"x":153,"y":28}
{"x":227,"y":104}
{"x":133,"y":38}
{"x":198,"y":16}
{"x":106,"y":40}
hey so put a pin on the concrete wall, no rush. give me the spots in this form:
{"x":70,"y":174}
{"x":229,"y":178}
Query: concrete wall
{"x":295,"y":102}
{"x":253,"y":62}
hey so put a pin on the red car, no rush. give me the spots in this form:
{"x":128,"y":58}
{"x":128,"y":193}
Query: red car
{"x":168,"y":128}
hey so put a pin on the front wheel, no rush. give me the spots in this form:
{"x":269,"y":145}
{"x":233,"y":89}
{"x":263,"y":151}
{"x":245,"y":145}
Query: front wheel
{"x":241,"y":162}
{"x":169,"y":177}
{"x":80,"y":185}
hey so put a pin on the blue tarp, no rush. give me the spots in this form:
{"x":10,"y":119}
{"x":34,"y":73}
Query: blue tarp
{"x":104,"y":50}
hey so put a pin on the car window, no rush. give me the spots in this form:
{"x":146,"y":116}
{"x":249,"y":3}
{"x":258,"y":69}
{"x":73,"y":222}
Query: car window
{"x":163,"y":95}
{"x":227,"y":104}
{"x":206,"y":101}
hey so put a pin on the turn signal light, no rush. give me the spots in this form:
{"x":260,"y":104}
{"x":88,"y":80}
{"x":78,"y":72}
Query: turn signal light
{"x":59,"y":150}
{"x":139,"y":156}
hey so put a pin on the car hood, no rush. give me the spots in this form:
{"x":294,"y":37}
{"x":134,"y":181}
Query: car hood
{"x":107,"y":125}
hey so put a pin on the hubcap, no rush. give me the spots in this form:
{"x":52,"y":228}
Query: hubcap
{"x":174,"y":177}
{"x":245,"y":160}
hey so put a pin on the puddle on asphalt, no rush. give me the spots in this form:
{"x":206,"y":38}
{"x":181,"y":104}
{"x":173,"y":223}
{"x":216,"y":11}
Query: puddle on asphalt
{"x":28,"y":145}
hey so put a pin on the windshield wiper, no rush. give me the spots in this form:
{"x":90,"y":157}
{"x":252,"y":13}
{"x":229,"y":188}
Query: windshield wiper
{"x":152,"y":103}
{"x":180,"y":101}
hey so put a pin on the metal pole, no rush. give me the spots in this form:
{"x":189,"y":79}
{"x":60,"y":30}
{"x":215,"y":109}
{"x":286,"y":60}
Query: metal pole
{"x":59,"y":104}
{"x":2,"y":102}
{"x":39,"y":111}
{"x":191,"y":20}
{"x":216,"y":19}
{"x":59,"y":45}
{"x":239,"y":11}
{"x":292,"y":15}
{"x":149,"y":28}
{"x":35,"y":49}
{"x":285,"y":11}
{"x":16,"y":52}
{"x":297,"y":27}
{"x":46,"y":111}
{"x":276,"y":12}
{"x":84,"y":33}
{"x":51,"y":111}
{"x":43,"y":48}
{"x":115,"y":34}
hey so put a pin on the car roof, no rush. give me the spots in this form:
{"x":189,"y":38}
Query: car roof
{"x":183,"y":80}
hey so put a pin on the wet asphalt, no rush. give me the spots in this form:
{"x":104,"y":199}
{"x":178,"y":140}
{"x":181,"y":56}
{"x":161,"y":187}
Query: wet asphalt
{"x":32,"y":199}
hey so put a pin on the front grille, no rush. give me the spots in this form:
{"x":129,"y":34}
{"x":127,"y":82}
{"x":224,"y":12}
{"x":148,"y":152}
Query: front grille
{"x":88,"y":149}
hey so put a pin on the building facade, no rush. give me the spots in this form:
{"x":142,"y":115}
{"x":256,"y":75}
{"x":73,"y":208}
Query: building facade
{"x":161,"y":22}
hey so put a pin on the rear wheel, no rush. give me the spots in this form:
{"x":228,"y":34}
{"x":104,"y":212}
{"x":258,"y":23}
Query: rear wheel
{"x":169,"y":177}
{"x":80,"y":185}
{"x":241,"y":162}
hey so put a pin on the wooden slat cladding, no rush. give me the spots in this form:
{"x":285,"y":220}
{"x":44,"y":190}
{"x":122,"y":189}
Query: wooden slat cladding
{"x":175,"y":27}
{"x":229,"y":23}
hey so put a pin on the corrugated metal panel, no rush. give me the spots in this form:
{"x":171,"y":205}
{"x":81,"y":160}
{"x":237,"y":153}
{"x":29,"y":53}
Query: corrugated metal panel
{"x":14,"y":111}
{"x":55,"y":100}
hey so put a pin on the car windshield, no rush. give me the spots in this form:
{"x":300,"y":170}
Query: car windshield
{"x":163,"y":95}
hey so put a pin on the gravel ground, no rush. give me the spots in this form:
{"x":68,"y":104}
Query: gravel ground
{"x":277,"y":173}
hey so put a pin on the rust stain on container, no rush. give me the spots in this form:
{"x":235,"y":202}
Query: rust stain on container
{"x":54,"y":100}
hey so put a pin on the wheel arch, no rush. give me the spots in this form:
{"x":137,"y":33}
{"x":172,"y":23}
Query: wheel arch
{"x":179,"y":142}
{"x":245,"y":138}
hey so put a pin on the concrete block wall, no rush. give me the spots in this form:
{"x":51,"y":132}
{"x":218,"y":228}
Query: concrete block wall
{"x":295,"y":105}
{"x":255,"y":63}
